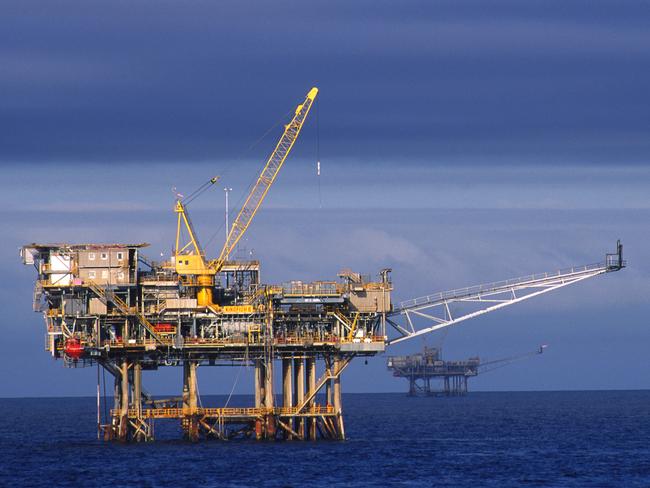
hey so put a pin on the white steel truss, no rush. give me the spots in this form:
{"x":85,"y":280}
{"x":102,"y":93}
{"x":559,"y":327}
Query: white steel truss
{"x":489,"y":297}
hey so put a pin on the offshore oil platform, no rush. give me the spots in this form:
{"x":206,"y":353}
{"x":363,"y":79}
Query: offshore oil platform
{"x":110,"y":306}
{"x":421,"y":368}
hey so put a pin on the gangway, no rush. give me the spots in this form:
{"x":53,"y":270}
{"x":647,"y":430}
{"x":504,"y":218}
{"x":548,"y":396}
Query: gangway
{"x":489,"y":297}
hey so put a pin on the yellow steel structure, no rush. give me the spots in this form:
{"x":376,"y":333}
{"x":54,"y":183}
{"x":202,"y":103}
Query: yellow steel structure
{"x":189,"y":259}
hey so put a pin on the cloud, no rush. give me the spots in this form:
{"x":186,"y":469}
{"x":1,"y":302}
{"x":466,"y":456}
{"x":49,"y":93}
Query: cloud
{"x":460,"y":143}
{"x":443,"y":80}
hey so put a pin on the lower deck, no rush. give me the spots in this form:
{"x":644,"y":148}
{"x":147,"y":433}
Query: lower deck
{"x":291,"y":411}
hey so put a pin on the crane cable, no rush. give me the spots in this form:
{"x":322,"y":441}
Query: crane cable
{"x":320,"y":200}
{"x":199,"y":191}
{"x":234,"y":384}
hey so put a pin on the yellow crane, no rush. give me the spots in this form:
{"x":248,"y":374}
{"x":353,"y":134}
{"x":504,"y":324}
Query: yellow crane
{"x":189,"y":259}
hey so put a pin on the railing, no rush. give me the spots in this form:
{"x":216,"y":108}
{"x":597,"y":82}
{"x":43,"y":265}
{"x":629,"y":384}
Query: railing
{"x":314,"y":410}
{"x":148,"y":276}
{"x":504,"y":284}
{"x":107,"y":295}
{"x":279,"y":341}
{"x":249,"y":412}
{"x":615,"y":262}
{"x":316,"y":288}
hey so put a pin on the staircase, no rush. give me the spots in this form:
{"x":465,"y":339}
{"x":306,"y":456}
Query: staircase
{"x":350,"y":325}
{"x":321,"y":382}
{"x":106,"y":295}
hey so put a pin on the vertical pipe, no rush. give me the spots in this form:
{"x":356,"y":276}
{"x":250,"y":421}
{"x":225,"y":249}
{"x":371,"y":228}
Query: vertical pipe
{"x":116,"y":416}
{"x":136,"y":399}
{"x":328,"y":384}
{"x":311,"y":386}
{"x":337,"y":386}
{"x":299,"y":390}
{"x":259,"y":395}
{"x":124,"y":401}
{"x":193,"y":399}
{"x":190,"y":423}
{"x":338,"y":403}
{"x":186,"y":386}
{"x":268,"y":398}
{"x":258,"y":383}
{"x":137,"y":388}
{"x":99,"y":422}
{"x":117,"y":402}
{"x":124,"y":394}
{"x":227,"y":190}
{"x":268,"y":384}
{"x":287,"y":388}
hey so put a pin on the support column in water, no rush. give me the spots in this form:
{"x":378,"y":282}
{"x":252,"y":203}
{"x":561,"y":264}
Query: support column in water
{"x":287,"y":389}
{"x":299,"y":392}
{"x":310,"y":364}
{"x":338,"y":402}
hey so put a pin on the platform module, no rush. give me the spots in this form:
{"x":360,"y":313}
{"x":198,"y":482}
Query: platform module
{"x":423,"y":368}
{"x":107,"y":304}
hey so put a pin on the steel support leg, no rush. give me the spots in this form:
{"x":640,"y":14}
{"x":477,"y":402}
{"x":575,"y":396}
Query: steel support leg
{"x":259,"y":395}
{"x":287,"y":389}
{"x":123,"y":431}
{"x":310,"y":363}
{"x":299,"y":390}
{"x":190,"y":401}
{"x":338,"y":403}
{"x":268,"y":399}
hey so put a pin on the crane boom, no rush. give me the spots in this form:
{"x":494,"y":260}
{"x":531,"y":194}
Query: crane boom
{"x":487,"y":366}
{"x":265,"y":180}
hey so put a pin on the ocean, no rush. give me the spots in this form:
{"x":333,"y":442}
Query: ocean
{"x":555,"y":439}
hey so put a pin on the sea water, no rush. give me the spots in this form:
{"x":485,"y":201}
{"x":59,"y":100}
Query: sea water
{"x":557,"y":439}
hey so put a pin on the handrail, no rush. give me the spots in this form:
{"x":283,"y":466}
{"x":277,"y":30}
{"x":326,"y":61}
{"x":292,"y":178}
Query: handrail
{"x":503,"y":284}
{"x":151,"y":413}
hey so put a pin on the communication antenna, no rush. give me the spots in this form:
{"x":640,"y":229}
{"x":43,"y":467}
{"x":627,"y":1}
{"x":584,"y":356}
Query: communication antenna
{"x":227,"y":190}
{"x":177,"y":194}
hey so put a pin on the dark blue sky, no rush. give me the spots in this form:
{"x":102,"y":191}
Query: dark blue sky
{"x":479,"y":81}
{"x":461,"y":142}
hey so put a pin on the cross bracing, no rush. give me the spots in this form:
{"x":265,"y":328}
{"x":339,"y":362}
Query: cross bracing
{"x":436,"y":310}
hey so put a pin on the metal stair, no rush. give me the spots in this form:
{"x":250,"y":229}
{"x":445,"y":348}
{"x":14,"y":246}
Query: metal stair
{"x":107,"y":295}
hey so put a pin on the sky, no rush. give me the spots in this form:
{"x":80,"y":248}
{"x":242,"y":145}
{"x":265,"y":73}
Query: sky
{"x":460,"y":143}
